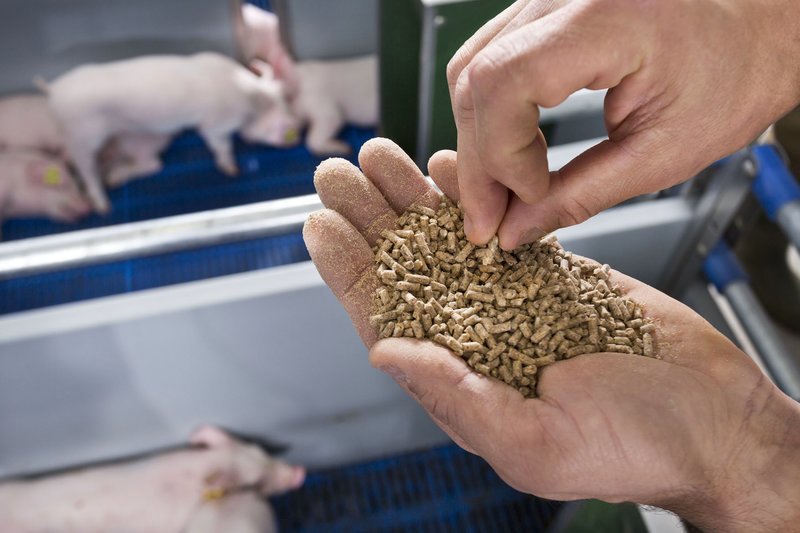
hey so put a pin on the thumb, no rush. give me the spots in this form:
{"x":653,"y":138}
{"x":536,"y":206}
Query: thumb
{"x":599,"y":178}
{"x":469,"y":407}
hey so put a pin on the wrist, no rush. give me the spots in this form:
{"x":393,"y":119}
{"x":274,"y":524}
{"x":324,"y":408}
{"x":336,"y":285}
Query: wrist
{"x":756,"y":487}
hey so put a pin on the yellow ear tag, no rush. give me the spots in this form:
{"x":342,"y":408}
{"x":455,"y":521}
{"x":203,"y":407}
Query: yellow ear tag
{"x":52,"y":175}
{"x":210,"y":495}
{"x":291,"y":136}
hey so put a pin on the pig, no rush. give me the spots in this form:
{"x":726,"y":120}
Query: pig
{"x":164,"y":94}
{"x":332,"y":93}
{"x":262,"y":41}
{"x":131,"y":155}
{"x":219,"y":485}
{"x":26,"y":122}
{"x":37,"y":185}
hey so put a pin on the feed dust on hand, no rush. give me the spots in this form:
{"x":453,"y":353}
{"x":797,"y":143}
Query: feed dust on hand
{"x":505,"y":313}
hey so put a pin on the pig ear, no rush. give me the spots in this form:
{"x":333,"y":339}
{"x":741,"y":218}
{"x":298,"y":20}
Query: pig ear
{"x":210,"y":437}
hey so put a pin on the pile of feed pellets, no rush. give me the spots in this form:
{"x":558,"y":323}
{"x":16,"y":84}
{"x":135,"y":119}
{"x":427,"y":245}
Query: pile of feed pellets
{"x":505,"y":313}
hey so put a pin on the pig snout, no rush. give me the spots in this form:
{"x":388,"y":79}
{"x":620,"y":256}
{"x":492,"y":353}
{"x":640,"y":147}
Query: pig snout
{"x":276,"y":127}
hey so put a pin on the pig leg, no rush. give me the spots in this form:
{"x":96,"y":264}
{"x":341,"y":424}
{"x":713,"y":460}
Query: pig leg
{"x":322,"y":133}
{"x":132,"y":155}
{"x":221,"y":146}
{"x":244,"y":512}
{"x":83,"y":157}
{"x":121,"y":174}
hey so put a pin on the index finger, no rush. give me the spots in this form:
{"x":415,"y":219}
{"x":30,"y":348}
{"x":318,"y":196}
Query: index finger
{"x":480,"y":39}
{"x":485,"y":201}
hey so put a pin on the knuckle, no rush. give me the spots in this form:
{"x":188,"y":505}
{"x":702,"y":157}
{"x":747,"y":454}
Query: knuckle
{"x":573,"y":211}
{"x":500,"y":168}
{"x":514,"y":170}
{"x":463,"y":97}
{"x":484,"y":73}
{"x":455,"y":66}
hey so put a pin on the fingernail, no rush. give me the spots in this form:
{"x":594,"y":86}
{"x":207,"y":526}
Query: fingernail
{"x":396,"y":374}
{"x":532,"y":235}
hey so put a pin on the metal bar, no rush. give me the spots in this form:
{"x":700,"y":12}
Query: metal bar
{"x":781,"y":365}
{"x":788,"y":218}
{"x":724,"y":271}
{"x":653,"y":229}
{"x":427,"y":65}
{"x":124,"y":241}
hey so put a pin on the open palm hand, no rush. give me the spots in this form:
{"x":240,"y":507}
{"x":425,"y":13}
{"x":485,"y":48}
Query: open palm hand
{"x":691,"y":431}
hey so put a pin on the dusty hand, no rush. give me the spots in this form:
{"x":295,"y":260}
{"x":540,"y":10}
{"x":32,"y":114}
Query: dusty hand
{"x":691,"y":81}
{"x":697,"y":431}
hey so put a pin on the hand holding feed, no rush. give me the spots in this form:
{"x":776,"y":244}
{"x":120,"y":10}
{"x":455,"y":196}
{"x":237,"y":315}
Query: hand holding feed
{"x":690,"y":82}
{"x":701,"y":430}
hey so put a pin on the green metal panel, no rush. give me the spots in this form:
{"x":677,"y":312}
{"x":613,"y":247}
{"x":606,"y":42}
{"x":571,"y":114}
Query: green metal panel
{"x":460,"y":21}
{"x":401,"y":36}
{"x":400,"y":33}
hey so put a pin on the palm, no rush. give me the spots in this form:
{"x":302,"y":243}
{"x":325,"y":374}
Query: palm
{"x":605,"y":425}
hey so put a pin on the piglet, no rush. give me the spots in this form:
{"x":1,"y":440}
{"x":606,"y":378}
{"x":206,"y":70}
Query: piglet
{"x":220,"y":485}
{"x":26,"y":122}
{"x":36,"y":185}
{"x":333,"y":93}
{"x":162,"y":95}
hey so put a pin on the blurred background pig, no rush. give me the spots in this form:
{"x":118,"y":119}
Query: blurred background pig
{"x":335,"y":92}
{"x":27,"y":123}
{"x":110,"y":122}
{"x":162,"y":95}
{"x":218,"y":485}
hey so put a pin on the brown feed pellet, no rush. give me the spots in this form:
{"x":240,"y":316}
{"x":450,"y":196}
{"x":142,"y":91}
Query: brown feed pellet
{"x":504,"y":313}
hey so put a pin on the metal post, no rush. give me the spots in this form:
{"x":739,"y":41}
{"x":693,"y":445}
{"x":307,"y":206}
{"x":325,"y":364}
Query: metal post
{"x":427,"y":66}
{"x":788,"y":218}
{"x":723,"y":269}
{"x":778,"y":191}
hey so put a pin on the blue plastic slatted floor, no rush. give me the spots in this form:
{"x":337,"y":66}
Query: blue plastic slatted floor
{"x":443,"y":489}
{"x":188,"y":183}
